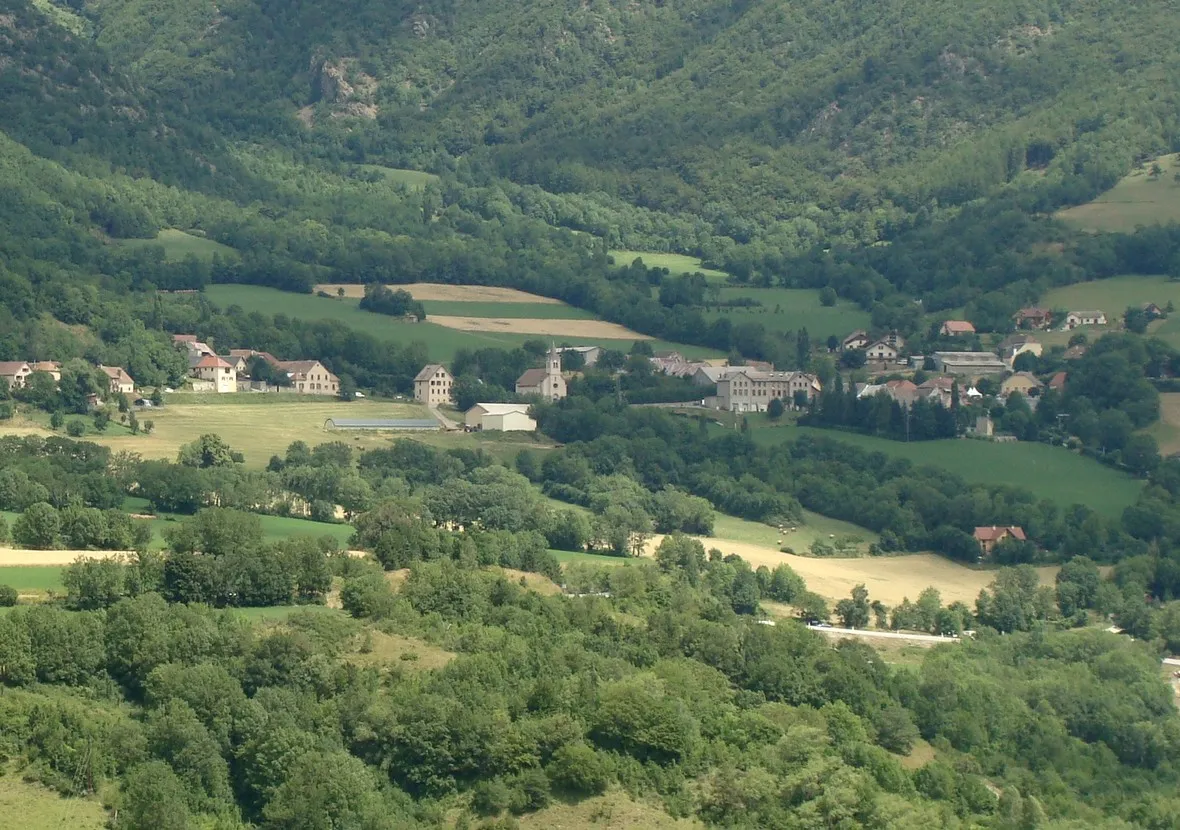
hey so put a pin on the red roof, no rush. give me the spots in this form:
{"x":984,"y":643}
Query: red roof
{"x":997,"y":532}
{"x":958,"y":327}
{"x":184,"y":338}
{"x":1033,"y":314}
{"x":211,"y":361}
{"x":1058,"y":381}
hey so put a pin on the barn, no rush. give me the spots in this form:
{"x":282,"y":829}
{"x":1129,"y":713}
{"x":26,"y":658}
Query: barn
{"x":500,"y":417}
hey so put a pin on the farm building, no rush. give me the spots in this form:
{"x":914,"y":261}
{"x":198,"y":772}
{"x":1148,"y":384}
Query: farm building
{"x":970,"y":364}
{"x":500,"y":417}
{"x":392,"y":424}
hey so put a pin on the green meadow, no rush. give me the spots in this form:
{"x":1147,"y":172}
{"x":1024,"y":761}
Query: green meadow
{"x":29,"y":579}
{"x":411,"y":179}
{"x":790,"y":309}
{"x":1138,"y":199}
{"x":441,"y":342}
{"x":177,"y":245}
{"x":1050,"y":472}
{"x":675,"y":263}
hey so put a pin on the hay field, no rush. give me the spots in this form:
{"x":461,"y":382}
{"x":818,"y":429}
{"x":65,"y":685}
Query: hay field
{"x":257,"y":430}
{"x":534,"y":325}
{"x":423,"y":291}
{"x":791,"y":309}
{"x":33,"y":807}
{"x":18,"y":557}
{"x":888,"y":578}
{"x":1137,"y":199}
{"x":615,"y":810}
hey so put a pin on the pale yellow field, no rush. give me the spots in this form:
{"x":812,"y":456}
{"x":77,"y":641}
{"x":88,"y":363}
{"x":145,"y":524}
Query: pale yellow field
{"x":534,"y":325}
{"x":42,"y":558}
{"x":888,"y":578}
{"x":449,"y":293}
{"x":614,"y":810}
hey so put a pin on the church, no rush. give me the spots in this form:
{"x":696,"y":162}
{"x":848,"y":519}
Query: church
{"x":545,"y":383}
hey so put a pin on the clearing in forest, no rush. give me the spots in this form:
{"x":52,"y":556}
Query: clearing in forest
{"x":675,"y":263}
{"x":791,"y":309}
{"x":553,"y":328}
{"x":178,"y":244}
{"x":1140,"y":198}
{"x":888,"y":578}
{"x":614,"y":809}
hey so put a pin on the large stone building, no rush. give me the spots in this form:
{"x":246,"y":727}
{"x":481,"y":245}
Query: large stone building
{"x":752,"y":390}
{"x":216,"y":374}
{"x":545,"y":383}
{"x":432,"y":386}
{"x":310,"y":377}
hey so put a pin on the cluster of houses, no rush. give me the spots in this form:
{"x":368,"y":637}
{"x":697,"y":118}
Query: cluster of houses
{"x":221,"y":374}
{"x":748,"y":388}
{"x":434,"y":386}
{"x":16,"y":374}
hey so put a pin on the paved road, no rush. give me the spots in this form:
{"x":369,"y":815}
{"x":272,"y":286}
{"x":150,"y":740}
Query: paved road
{"x":884,"y":635}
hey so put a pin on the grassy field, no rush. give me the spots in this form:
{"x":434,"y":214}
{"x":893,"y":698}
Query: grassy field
{"x":1050,"y":472}
{"x":411,"y":179}
{"x":258,"y":430}
{"x":31,"y":579}
{"x":675,"y":263}
{"x":790,"y":309}
{"x":615,"y":810}
{"x":1137,"y":199}
{"x":440,"y":341}
{"x":177,"y":245}
{"x":1166,"y":431}
{"x":33,"y":807}
{"x":814,"y":528}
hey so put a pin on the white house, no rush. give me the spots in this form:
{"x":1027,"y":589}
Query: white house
{"x":881,"y":350}
{"x":213,"y":370}
{"x":120,"y":381}
{"x":1085,"y":318}
{"x":432,"y":385}
{"x":500,"y":417}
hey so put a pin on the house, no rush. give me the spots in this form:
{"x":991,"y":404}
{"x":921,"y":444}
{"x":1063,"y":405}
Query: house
{"x":882,"y":351}
{"x":956,"y":328}
{"x":709,"y":375}
{"x":192,"y":345}
{"x":310,"y":377}
{"x":938,"y":390}
{"x":238,"y":362}
{"x":1057,"y":382}
{"x":500,"y":417}
{"x":1023,"y":382}
{"x":432,"y":385}
{"x":989,"y":537}
{"x":1085,"y":318}
{"x":546,"y":383}
{"x":15,"y":372}
{"x":217,"y":375}
{"x":752,"y":390}
{"x":590,"y":354}
{"x":1153,"y":311}
{"x":969,"y":364}
{"x":49,"y":367}
{"x":120,"y":381}
{"x":903,"y":391}
{"x":856,"y":340}
{"x":246,"y":354}
{"x":1074,"y":352}
{"x":1015,"y":345}
{"x":1033,"y":318}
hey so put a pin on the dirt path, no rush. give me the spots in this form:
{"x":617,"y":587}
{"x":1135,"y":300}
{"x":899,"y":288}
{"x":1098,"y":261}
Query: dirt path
{"x":888,"y":578}
{"x":537,"y":325}
{"x":448,"y":293}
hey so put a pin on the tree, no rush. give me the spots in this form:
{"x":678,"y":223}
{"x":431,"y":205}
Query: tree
{"x":57,"y":420}
{"x":775,"y":409}
{"x":803,"y":348}
{"x":577,"y":769}
{"x":854,"y":612}
{"x":827,"y":296}
{"x":75,"y":428}
{"x":153,"y":798}
{"x":38,"y":527}
{"x":1141,"y":454}
{"x":8,"y":597}
{"x":1135,"y":320}
{"x":92,"y":584}
{"x":208,"y":451}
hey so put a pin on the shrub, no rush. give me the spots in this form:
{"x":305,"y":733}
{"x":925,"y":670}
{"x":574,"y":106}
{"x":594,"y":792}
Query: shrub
{"x":75,"y":428}
{"x":490,"y":797}
{"x":7,"y":596}
{"x":529,"y":791}
{"x":577,"y":768}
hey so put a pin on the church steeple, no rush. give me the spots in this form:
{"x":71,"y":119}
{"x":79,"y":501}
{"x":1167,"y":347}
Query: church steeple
{"x":554,"y":367}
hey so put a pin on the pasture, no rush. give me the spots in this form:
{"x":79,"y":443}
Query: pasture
{"x":511,"y":311}
{"x":790,"y":309}
{"x":34,"y":807}
{"x":675,"y":263}
{"x":1049,"y":472}
{"x":441,"y":342}
{"x":177,"y":245}
{"x":444,"y":292}
{"x":813,"y":528}
{"x":1137,"y":199}
{"x":258,"y":430}
{"x":614,"y":809}
{"x":32,"y":580}
{"x":1166,"y":431}
{"x":410,"y":179}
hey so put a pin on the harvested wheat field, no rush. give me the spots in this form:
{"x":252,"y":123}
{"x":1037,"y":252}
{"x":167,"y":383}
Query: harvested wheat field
{"x":533,"y":325}
{"x":888,"y":578}
{"x":41,"y":558}
{"x":450,"y":293}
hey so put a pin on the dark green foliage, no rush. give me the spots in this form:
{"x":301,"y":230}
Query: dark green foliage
{"x":8,"y":596}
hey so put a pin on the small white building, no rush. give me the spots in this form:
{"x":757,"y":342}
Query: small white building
{"x":1085,"y":318}
{"x":432,"y":386}
{"x":214,"y":371}
{"x":881,"y":351}
{"x":500,"y":417}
